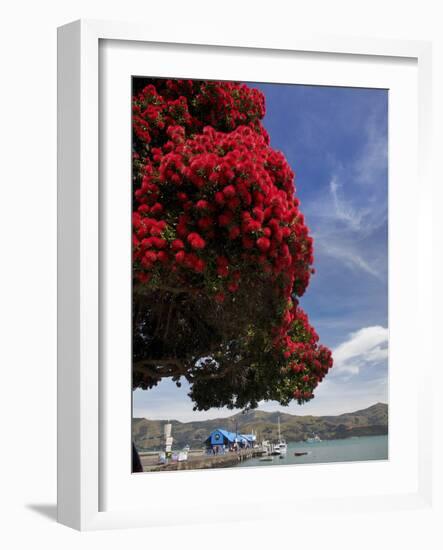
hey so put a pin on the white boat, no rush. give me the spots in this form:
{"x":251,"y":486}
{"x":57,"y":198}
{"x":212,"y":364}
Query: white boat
{"x":281,"y":447}
{"x":314,"y":439}
{"x":269,"y":449}
{"x":275,"y":449}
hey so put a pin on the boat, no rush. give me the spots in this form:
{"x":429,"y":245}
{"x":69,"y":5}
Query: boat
{"x":281,"y":447}
{"x":266,"y":447}
{"x":314,"y":439}
{"x":300,"y":453}
{"x":275,"y":451}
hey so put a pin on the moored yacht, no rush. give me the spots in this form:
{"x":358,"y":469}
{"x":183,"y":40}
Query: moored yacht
{"x":281,"y":447}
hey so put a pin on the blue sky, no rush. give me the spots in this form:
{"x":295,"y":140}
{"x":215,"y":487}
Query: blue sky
{"x":335,"y":139}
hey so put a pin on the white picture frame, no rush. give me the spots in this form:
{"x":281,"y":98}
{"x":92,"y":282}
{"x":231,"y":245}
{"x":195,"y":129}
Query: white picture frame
{"x":83,"y":396}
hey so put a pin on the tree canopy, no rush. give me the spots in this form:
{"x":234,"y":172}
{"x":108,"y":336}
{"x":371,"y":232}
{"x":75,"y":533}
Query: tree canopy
{"x":221,"y":250}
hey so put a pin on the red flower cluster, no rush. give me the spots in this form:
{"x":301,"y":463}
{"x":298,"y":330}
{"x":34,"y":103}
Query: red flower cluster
{"x":225,"y":192}
{"x":306,"y":361}
{"x":214,"y":202}
{"x":194,"y":104}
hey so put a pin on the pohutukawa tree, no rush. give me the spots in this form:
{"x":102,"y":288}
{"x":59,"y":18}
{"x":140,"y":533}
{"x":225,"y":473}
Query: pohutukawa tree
{"x":221,"y":251}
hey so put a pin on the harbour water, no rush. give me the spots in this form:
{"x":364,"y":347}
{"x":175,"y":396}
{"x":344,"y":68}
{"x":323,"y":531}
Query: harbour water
{"x":334,"y":450}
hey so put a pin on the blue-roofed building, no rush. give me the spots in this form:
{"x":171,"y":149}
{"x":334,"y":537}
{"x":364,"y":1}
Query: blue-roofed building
{"x":220,"y":440}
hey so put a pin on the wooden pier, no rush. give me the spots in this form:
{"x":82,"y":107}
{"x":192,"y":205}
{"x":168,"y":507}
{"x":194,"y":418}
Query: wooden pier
{"x":202,"y":461}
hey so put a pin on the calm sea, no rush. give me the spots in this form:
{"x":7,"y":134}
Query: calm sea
{"x":335,"y":450}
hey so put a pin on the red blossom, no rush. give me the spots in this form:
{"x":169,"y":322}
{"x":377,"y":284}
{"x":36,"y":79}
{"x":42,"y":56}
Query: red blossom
{"x":177,"y":244}
{"x":263,"y":244}
{"x":229,"y":191}
{"x":196,"y":241}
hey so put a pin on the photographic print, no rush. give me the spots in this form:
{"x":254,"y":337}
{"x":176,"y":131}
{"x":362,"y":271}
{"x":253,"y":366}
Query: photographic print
{"x":260,"y":274}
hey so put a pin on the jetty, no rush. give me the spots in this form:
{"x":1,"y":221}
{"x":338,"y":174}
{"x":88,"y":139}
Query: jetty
{"x":222,"y":448}
{"x":202,"y":461}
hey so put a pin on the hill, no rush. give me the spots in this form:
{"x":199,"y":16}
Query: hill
{"x":147,"y":434}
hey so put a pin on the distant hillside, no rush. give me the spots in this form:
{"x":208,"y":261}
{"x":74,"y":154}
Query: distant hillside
{"x":147,"y":434}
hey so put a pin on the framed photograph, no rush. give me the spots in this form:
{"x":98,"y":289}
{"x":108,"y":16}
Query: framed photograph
{"x":241,"y":230}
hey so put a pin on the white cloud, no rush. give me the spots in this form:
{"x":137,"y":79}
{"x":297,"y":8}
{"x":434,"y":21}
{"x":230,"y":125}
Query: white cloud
{"x":366,"y":347}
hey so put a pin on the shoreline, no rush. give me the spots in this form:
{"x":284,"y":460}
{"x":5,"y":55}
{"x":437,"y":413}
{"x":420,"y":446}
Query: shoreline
{"x":324,"y":438}
{"x":199,"y":460}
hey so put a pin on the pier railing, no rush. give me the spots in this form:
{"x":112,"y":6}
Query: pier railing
{"x":203,"y":461}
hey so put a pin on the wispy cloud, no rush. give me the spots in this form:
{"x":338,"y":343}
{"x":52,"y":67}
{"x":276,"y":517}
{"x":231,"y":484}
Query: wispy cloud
{"x":364,"y":348}
{"x":349,"y":257}
{"x":355,"y":207}
{"x":343,"y":211}
{"x":371,"y":165}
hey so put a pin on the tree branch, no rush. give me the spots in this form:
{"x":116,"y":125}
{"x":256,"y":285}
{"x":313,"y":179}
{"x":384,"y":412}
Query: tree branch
{"x":170,"y":367}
